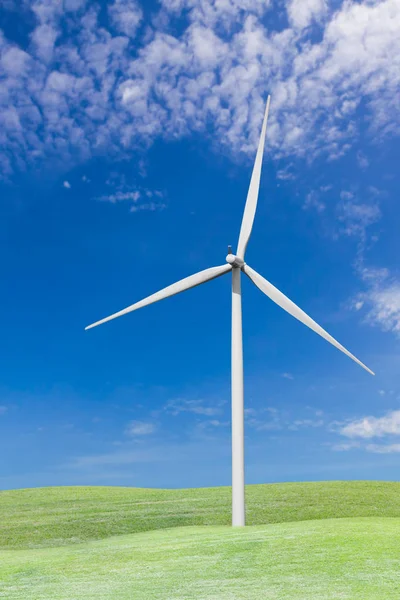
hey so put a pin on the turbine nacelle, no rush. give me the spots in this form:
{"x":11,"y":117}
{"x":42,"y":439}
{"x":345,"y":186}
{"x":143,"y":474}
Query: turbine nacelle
{"x":235,"y":261}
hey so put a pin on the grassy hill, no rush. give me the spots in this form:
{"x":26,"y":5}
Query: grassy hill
{"x":307,"y":541}
{"x":65,"y":515}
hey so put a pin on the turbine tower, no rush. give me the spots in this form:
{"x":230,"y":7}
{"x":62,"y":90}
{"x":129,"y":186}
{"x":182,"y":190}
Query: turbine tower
{"x":236,"y":265}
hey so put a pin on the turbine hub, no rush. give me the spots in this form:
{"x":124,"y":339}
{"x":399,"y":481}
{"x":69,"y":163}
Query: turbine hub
{"x":235,"y":261}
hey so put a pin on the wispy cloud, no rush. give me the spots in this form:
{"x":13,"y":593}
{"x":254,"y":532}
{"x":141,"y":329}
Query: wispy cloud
{"x":185,"y":454}
{"x":285,"y":175}
{"x":148,"y":206}
{"x":67,"y":185}
{"x":359,"y":432}
{"x":139,"y":428}
{"x":125,"y":16}
{"x":277,"y":419}
{"x":197,"y":407}
{"x":125,"y":457}
{"x":208,"y":425}
{"x":362,"y":160}
{"x":302,"y":13}
{"x":373,"y":448}
{"x":121,"y":82}
{"x":380,"y":303}
{"x":357,"y":216}
{"x":384,"y":305}
{"x":345,"y":446}
{"x":383,"y":448}
{"x":120,"y":197}
{"x":139,"y":199}
{"x":369,"y":427}
{"x":300,"y":423}
{"x":313,"y":201}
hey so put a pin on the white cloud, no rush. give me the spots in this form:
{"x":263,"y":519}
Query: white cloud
{"x":381,"y":301}
{"x":369,"y":427}
{"x":261,"y":425}
{"x":138,"y":428}
{"x":356,"y":216}
{"x":147,"y":206}
{"x":211,"y":424}
{"x":141,"y":200}
{"x":285,"y":175}
{"x":313,"y":201}
{"x":279,"y":420}
{"x":175,"y":407}
{"x":125,"y":457}
{"x":358,"y":304}
{"x":361,"y":430}
{"x":287,"y":376}
{"x":208,"y":49}
{"x":120,"y":197}
{"x":126,"y":16}
{"x":362,"y":160}
{"x":302,"y":12}
{"x":374,"y":448}
{"x":67,"y":98}
{"x":217,"y":12}
{"x":67,"y":185}
{"x":383,"y":448}
{"x":43,"y":40}
{"x":298,"y":423}
{"x":345,"y":446}
{"x":216,"y":423}
{"x":385,"y":307}
{"x":74,"y":5}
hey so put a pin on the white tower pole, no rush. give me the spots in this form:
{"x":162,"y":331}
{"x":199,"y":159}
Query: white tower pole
{"x":238,"y":499}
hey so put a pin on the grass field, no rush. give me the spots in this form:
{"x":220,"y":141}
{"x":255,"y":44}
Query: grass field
{"x":305,"y":540}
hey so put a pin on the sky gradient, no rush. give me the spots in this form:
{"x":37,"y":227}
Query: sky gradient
{"x":128,"y":134}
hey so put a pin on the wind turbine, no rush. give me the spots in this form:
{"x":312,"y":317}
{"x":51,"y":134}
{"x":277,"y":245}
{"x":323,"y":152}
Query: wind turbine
{"x":235,"y":265}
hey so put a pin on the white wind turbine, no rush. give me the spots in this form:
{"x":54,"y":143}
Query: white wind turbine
{"x":236,"y":264}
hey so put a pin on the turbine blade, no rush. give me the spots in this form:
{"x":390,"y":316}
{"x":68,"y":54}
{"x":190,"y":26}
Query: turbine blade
{"x":252,"y":195}
{"x":281,"y":300}
{"x":171,"y":290}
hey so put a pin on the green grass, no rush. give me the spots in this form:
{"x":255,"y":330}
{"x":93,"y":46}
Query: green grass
{"x":65,"y":515}
{"x":306,"y":541}
{"x":327,"y":559}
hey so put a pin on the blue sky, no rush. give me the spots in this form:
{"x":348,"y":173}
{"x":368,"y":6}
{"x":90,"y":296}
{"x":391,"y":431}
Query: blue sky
{"x":127,"y":135}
